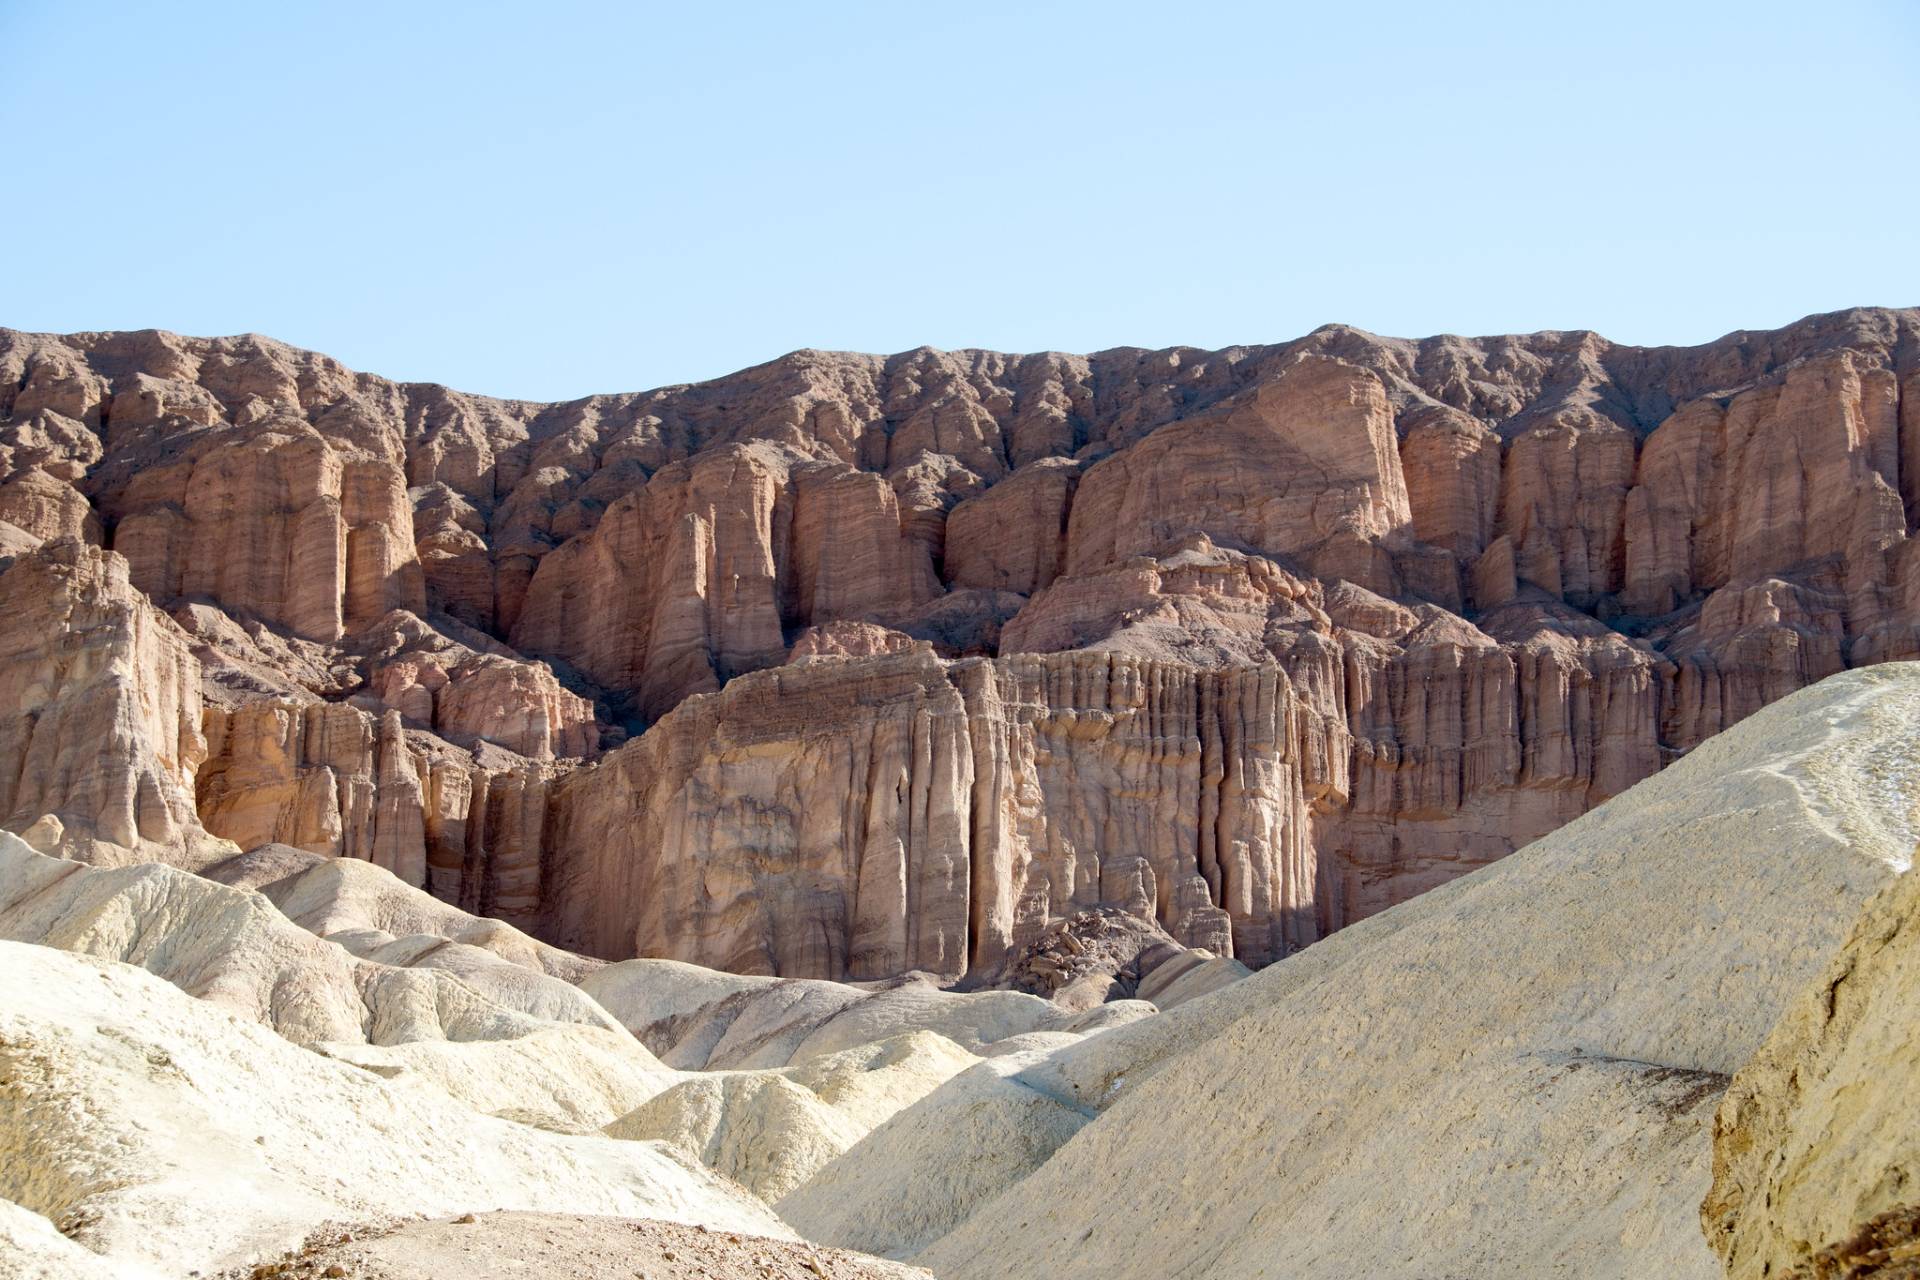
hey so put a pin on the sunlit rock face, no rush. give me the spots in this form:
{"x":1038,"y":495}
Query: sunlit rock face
{"x":912,"y":656}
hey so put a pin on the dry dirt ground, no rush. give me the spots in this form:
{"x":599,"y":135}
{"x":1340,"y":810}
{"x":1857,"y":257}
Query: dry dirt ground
{"x":563,"y":1246}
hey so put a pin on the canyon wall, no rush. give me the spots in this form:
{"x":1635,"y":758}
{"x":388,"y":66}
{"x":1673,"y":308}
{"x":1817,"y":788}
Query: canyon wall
{"x":913,"y":655}
{"x":100,"y":711}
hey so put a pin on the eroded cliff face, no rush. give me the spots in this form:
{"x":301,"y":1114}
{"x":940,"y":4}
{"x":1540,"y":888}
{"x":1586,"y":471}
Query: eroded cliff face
{"x":927,"y":651}
{"x":101,"y":719}
{"x":864,"y":816}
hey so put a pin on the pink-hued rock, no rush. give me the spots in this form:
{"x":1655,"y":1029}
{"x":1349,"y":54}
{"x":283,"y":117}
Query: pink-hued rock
{"x":931,"y":650}
{"x":273,"y":520}
{"x":48,"y":508}
{"x":1013,"y":536}
{"x":99,"y":713}
{"x":677,"y":589}
{"x":466,"y":696}
{"x":1283,"y":469}
{"x":851,"y":640}
{"x":334,"y":779}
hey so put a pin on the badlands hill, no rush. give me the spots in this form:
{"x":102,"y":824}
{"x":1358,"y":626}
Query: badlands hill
{"x":1673,"y":1038}
{"x":848,"y":667}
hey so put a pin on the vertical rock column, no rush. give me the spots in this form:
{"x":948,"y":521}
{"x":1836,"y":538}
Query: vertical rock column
{"x":399,"y":817}
{"x":507,"y":830}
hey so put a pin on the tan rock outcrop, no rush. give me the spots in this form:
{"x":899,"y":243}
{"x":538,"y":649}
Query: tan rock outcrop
{"x":850,"y":554}
{"x":299,"y":774}
{"x":851,"y":640}
{"x":466,"y":696}
{"x":1452,"y":464}
{"x":99,"y":711}
{"x":454,"y":556}
{"x":272,"y":519}
{"x":1013,"y":536}
{"x":677,"y":590}
{"x":1816,"y":1147}
{"x":989,"y":798}
{"x":799,"y":823}
{"x":48,"y":508}
{"x":696,"y":579}
{"x":333,"y":779}
{"x":1087,"y":959}
{"x":1193,"y":602}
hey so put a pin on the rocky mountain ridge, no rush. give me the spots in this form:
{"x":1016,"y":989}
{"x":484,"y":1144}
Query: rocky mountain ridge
{"x":927,"y":652}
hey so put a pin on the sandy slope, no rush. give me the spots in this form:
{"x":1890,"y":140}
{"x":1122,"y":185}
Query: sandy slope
{"x":513,"y":1246}
{"x":169,"y":1135}
{"x":1517,"y":1073}
{"x":703,"y":1019}
{"x":234,"y":948}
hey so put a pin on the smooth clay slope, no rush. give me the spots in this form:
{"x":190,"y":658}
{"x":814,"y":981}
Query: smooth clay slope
{"x":454,"y":1067}
{"x":169,"y":1136}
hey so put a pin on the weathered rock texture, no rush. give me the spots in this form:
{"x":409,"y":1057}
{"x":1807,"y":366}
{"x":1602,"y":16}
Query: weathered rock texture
{"x":1256,"y":642}
{"x":99,"y":712}
{"x":1816,"y":1168}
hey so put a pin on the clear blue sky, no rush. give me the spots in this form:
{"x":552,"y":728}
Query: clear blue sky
{"x":553,"y":199}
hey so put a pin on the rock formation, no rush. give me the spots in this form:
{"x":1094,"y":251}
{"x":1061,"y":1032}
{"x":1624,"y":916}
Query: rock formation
{"x":100,"y":712}
{"x":1816,"y":1148}
{"x":1515,"y":1073}
{"x":927,"y":652}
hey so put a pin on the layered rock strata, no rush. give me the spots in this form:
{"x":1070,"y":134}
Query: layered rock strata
{"x":928,"y":651}
{"x":865,"y":818}
{"x":100,"y":708}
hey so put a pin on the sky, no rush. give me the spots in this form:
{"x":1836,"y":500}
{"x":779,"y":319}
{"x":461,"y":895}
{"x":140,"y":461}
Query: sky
{"x":549,"y":200}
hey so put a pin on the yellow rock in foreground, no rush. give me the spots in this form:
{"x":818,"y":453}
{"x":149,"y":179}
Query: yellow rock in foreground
{"x":1817,"y":1145}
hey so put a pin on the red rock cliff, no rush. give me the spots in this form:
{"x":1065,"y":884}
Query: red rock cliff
{"x":926,"y":651}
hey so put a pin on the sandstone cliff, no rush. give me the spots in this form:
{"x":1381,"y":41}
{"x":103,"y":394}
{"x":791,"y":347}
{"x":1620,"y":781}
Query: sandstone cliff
{"x":100,"y":710}
{"x":1257,"y":642}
